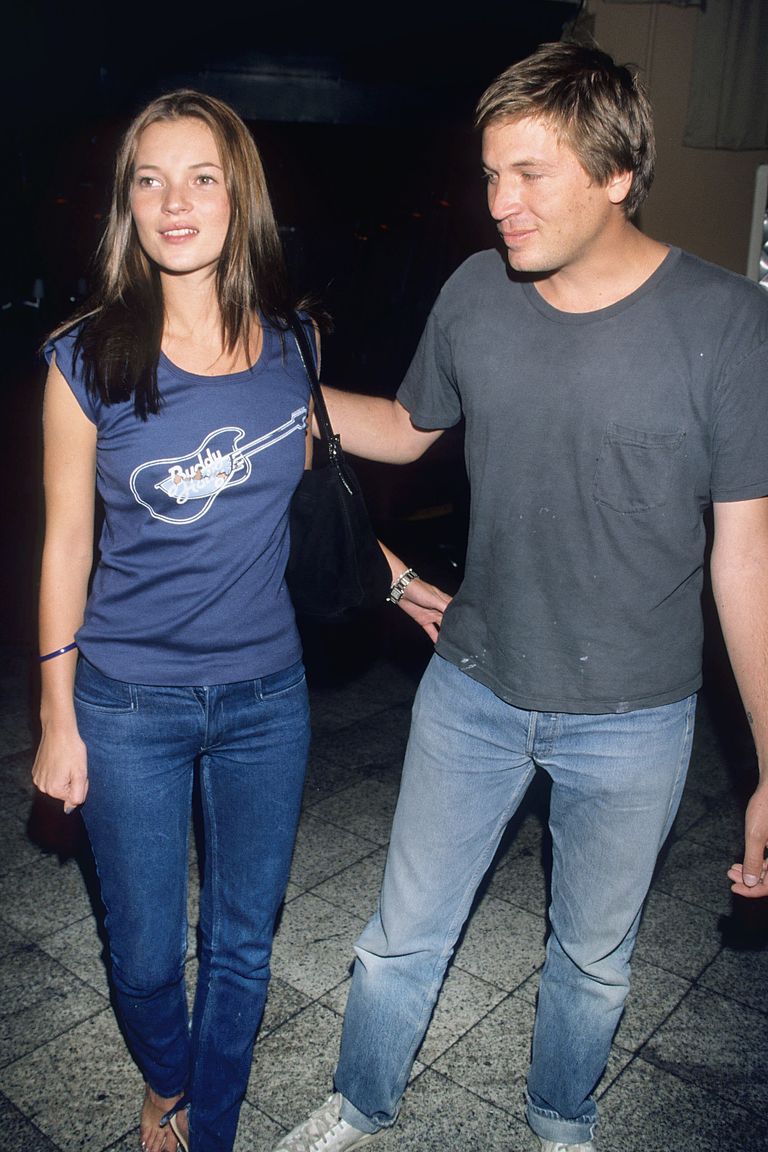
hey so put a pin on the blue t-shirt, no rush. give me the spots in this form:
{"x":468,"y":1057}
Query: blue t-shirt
{"x":190,"y":586}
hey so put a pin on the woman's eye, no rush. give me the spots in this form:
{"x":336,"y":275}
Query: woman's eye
{"x":147,"y":181}
{"x":205,"y":178}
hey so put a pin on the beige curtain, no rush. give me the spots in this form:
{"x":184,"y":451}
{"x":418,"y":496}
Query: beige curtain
{"x":728,"y":100}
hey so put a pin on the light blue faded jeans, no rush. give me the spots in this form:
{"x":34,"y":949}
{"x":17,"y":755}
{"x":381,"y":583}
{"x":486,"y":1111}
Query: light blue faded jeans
{"x":250,"y":741}
{"x":616,"y":786}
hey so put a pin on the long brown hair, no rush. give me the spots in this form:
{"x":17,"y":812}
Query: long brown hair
{"x":122,"y":322}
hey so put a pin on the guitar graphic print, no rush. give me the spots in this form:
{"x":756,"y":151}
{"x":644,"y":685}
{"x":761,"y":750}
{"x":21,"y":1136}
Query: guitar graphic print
{"x":181,"y":489}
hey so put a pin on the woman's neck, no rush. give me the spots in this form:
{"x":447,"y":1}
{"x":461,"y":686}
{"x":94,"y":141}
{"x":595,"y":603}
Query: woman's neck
{"x":191,"y":305}
{"x":193,"y":331}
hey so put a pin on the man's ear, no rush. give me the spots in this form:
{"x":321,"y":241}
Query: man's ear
{"x":618,"y":187}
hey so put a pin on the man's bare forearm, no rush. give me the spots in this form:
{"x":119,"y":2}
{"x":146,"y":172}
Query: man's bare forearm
{"x":740,"y":586}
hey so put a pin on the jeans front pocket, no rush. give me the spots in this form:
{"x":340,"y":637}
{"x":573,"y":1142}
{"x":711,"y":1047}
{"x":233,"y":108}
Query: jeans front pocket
{"x":634,"y":468}
{"x":280,"y":683}
{"x":101,"y":693}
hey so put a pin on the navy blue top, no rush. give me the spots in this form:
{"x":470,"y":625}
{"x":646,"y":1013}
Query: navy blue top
{"x":190,"y":584}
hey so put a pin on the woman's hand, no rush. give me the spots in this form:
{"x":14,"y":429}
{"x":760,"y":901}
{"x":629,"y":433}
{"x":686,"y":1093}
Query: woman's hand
{"x":425,"y":604}
{"x":61,"y":766}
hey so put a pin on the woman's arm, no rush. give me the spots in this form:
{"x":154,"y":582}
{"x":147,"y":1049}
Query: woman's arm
{"x":365,"y":420}
{"x":377,"y":428}
{"x":424,"y":603}
{"x":69,"y":471}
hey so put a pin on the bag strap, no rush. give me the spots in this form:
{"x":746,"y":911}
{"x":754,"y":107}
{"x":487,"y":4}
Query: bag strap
{"x":332,"y":441}
{"x":308,"y":360}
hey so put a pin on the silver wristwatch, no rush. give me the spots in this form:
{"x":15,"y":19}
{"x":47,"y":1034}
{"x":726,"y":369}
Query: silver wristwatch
{"x":400,"y":585}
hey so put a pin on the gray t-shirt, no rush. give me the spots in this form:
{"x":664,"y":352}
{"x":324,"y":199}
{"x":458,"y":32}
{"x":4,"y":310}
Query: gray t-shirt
{"x":594,"y":442}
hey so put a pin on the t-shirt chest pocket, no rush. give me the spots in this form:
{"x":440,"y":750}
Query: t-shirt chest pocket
{"x":634,"y":468}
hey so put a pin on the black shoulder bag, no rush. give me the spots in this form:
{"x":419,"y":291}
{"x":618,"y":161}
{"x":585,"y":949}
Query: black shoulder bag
{"x":336,"y":569}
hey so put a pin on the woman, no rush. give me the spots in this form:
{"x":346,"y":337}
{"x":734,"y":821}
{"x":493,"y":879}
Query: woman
{"x":178,"y":395}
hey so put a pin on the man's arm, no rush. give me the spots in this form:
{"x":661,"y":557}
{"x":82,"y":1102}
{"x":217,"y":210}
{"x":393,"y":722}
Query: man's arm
{"x":740,"y":585}
{"x":376,"y":428}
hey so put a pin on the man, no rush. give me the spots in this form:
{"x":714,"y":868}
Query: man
{"x":613,"y":387}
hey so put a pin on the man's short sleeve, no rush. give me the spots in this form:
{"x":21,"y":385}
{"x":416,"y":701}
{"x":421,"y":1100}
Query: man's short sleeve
{"x":429,"y":390}
{"x":740,"y":430}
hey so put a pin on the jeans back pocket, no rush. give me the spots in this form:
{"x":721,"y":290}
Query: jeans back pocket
{"x":634,"y":468}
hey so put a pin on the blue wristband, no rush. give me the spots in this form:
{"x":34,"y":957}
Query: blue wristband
{"x":58,"y":652}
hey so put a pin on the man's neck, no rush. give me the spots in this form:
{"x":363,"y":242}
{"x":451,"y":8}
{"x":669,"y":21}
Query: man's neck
{"x":605,"y":276}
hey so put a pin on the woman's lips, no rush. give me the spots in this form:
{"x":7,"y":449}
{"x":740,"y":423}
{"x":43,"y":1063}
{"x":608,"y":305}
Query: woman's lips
{"x":178,"y":233}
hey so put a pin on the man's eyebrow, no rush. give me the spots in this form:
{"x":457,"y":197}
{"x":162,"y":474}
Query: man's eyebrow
{"x":532,"y":162}
{"x":526,"y":162}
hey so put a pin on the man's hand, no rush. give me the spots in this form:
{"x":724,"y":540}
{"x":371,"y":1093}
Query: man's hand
{"x":750,"y":878}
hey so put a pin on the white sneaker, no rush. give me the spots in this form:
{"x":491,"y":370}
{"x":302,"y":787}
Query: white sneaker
{"x":556,"y":1146}
{"x":325,"y":1131}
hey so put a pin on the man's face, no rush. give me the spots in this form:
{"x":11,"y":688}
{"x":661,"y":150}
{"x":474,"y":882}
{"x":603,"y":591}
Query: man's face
{"x":550,"y":214}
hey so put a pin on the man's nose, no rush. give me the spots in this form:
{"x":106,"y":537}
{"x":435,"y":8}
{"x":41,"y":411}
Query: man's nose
{"x":503,"y":198}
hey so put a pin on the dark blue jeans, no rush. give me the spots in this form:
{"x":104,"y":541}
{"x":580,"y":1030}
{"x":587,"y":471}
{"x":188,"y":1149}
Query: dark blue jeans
{"x":250,"y":741}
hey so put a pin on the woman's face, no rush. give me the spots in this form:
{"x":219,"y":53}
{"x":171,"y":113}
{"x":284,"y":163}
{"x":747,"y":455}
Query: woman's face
{"x":179,"y":200}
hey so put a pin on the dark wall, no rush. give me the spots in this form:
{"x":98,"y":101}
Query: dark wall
{"x":374,"y":212}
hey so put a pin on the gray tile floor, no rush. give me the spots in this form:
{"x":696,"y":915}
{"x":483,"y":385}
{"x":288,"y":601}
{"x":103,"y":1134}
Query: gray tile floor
{"x":689,"y":1067}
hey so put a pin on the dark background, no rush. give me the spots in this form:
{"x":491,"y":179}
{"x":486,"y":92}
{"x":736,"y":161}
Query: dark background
{"x":363,"y":117}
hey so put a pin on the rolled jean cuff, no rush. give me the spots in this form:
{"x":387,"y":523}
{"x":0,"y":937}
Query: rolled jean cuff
{"x":358,"y":1119}
{"x":548,"y":1125}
